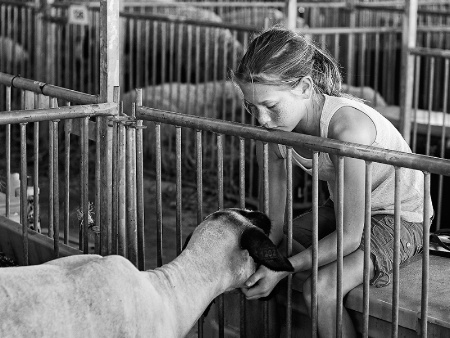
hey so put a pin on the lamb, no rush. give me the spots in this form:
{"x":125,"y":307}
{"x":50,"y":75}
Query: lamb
{"x":94,"y":296}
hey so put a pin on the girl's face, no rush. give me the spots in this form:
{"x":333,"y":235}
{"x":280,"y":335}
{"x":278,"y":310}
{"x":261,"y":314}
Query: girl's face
{"x":274,"y":106}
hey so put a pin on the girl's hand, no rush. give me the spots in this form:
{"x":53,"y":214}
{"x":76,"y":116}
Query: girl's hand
{"x":262,"y":282}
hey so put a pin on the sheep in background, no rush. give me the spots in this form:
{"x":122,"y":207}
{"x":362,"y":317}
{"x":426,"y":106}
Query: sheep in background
{"x":180,"y":47}
{"x":260,"y":18}
{"x":12,"y":52}
{"x":94,"y":296}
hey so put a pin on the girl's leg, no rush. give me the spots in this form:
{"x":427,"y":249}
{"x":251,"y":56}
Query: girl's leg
{"x":353,"y":266}
{"x":302,"y":227}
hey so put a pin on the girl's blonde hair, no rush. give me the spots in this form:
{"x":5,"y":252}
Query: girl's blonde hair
{"x":281,"y":56}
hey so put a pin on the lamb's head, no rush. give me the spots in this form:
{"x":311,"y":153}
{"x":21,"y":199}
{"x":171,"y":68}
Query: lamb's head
{"x":239,"y":238}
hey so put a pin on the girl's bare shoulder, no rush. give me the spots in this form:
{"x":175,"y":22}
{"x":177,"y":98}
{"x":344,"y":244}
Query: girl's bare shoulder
{"x":349,"y":124}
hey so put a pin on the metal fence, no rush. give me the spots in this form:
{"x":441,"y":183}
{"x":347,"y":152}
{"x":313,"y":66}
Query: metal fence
{"x":222,"y":165}
{"x":55,"y":149}
{"x":244,"y":134}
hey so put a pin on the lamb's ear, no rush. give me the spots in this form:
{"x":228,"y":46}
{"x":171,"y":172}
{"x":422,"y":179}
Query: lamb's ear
{"x":258,"y":219}
{"x":263,"y":251}
{"x":188,"y":238}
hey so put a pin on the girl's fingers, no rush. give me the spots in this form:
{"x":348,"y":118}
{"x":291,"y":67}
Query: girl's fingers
{"x":253,"y":279}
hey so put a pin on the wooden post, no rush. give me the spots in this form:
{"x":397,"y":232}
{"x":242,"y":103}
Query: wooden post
{"x":109,"y":78}
{"x":291,"y":14}
{"x":407,"y":67}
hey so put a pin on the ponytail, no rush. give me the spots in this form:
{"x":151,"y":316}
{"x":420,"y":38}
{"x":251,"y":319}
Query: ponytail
{"x":325,"y":73}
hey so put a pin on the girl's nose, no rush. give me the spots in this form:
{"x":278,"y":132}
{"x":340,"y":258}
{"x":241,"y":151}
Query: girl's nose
{"x":263,"y":118}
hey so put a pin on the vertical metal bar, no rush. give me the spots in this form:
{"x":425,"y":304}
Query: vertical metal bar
{"x":426,"y":255}
{"x":351,"y":43}
{"x":121,"y":223}
{"x":51,"y":180}
{"x":197,"y":64}
{"x":243,"y":310}
{"x":85,"y":183}
{"x":179,"y":189}
{"x":154,"y":47}
{"x":443,"y":138}
{"x":376,"y":65}
{"x":159,"y":227}
{"x":132,"y":63}
{"x":315,"y":242}
{"x":131,"y":192}
{"x":199,"y":163}
{"x":8,"y":155}
{"x":291,"y":13}
{"x":362,"y":63}
{"x":36,"y":202}
{"x":23,"y":190}
{"x":289,"y":220}
{"x":146,"y":53}
{"x":115,"y":177}
{"x":67,"y":125}
{"x":340,"y":251}
{"x":138,"y":83}
{"x":140,"y":186}
{"x":416,"y":101}
{"x":221,"y":301}
{"x":115,"y":188}
{"x":109,"y":80}
{"x":266,"y":211}
{"x":409,"y":37}
{"x":430,"y":104}
{"x":188,"y":68}
{"x":98,"y":160}
{"x":265,"y":178}
{"x":220,"y":171}
{"x":55,"y":184}
{"x":367,"y":235}
{"x":163,"y":38}
{"x":396,"y":274}
{"x":3,"y":22}
{"x":67,"y":57}
{"x":199,"y":154}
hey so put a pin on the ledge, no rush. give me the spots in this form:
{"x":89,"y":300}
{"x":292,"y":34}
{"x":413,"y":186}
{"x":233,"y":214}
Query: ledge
{"x":380,"y":300}
{"x":40,"y":247}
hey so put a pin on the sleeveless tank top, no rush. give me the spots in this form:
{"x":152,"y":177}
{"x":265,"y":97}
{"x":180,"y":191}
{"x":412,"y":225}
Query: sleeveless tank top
{"x":383,"y":179}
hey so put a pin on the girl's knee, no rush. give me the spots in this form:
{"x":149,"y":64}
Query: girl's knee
{"x":307,"y":292}
{"x":326,"y":290}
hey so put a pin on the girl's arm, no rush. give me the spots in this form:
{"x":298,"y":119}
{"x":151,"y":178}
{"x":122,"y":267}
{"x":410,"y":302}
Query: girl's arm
{"x":277,"y":188}
{"x":348,"y":125}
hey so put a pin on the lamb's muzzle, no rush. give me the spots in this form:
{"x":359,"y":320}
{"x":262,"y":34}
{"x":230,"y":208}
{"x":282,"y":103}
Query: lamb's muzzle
{"x":94,"y":296}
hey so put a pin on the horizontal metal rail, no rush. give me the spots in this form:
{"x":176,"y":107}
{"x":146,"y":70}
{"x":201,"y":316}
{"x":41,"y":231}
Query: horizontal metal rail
{"x":430,"y":52}
{"x":70,"y":112}
{"x":47,"y":89}
{"x":414,"y":161}
{"x":324,"y":4}
{"x":177,"y":19}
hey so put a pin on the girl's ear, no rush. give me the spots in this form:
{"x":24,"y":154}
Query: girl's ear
{"x":304,"y":88}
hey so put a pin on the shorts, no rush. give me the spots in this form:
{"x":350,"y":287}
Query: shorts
{"x":381,"y":241}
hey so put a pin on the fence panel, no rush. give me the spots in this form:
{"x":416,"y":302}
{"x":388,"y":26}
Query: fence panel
{"x":37,"y":159}
{"x":204,"y":126}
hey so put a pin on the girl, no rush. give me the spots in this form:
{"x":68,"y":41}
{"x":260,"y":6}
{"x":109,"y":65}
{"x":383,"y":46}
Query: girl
{"x":290,"y":84}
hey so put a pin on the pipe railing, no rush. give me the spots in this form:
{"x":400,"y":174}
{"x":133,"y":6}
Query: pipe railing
{"x":38,"y":111}
{"x":399,"y":160}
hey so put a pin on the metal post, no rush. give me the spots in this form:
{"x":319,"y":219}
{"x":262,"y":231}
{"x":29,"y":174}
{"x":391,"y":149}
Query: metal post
{"x":109,"y":78}
{"x":291,"y":14}
{"x":407,"y":67}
